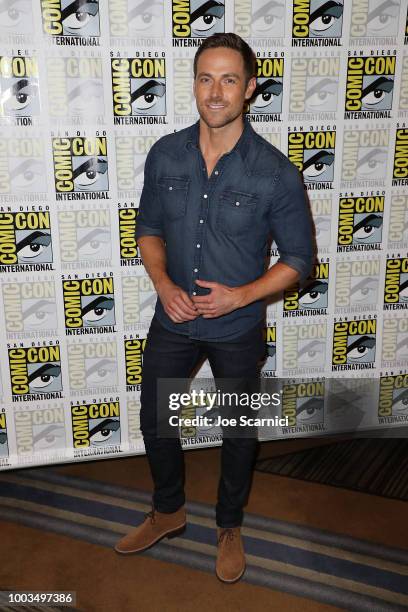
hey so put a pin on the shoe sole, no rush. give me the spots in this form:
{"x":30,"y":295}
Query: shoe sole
{"x":169,"y":534}
{"x":233,"y":579}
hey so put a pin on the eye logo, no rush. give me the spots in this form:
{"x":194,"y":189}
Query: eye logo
{"x":80,"y":165}
{"x":143,"y":18}
{"x":138,"y":87}
{"x":95,"y":425}
{"x":197,"y":18}
{"x":303,"y":403}
{"x":374,"y":19}
{"x":313,"y":154}
{"x":304,"y":347}
{"x":313,"y":297}
{"x":316,"y":19}
{"x":35,"y":371}
{"x":360,"y":222}
{"x":354,"y":344}
{"x":267,"y":18}
{"x":16,"y":17}
{"x":19,"y":88}
{"x":89,"y":303}
{"x":28,"y":237}
{"x":393,"y":398}
{"x":267,"y":97}
{"x":369,"y":86}
{"x":71,"y":18}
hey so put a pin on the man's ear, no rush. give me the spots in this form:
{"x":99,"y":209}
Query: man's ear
{"x":194,"y":87}
{"x":250,"y":88}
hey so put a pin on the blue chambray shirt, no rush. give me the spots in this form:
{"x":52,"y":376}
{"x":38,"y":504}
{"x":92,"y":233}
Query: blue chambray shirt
{"x":218,"y":228}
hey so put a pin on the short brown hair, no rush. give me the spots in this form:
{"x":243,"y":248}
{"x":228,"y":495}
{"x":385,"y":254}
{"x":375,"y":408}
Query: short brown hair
{"x":229,"y":40}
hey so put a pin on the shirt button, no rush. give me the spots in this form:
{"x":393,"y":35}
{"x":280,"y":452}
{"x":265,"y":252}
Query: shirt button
{"x":194,"y":292}
{"x":201,"y":220}
{"x":170,"y":188}
{"x":205,"y":196}
{"x":216,"y":172}
{"x":198,"y":246}
{"x":195,"y":269}
{"x":236,"y":203}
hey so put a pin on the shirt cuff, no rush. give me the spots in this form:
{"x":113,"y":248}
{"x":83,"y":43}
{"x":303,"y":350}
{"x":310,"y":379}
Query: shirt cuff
{"x":144,"y":230}
{"x":302,"y":266}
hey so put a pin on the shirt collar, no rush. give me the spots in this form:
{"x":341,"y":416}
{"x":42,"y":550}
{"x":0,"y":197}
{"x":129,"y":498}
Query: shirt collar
{"x":240,"y":147}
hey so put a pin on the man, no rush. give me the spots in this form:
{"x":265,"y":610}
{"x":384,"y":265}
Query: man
{"x":213,"y":194}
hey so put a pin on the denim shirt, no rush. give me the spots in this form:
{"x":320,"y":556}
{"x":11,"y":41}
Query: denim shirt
{"x":218,"y":228}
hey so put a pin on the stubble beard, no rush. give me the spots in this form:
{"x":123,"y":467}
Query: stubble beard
{"x":224,"y":117}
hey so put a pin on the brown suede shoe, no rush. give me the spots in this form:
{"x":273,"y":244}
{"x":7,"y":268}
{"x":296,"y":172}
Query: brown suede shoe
{"x":231,"y":558}
{"x":156,"y":526}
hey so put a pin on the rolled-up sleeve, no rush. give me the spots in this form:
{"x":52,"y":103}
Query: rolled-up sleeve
{"x":291,"y":221}
{"x":150,"y":218}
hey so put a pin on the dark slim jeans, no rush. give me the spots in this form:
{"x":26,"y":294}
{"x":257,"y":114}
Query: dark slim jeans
{"x":170,"y":355}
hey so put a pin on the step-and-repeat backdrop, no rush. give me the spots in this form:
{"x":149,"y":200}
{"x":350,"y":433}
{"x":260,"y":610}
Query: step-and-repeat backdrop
{"x":86,"y":88}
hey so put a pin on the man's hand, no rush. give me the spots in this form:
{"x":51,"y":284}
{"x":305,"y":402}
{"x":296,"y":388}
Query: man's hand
{"x":220,"y":301}
{"x":176,"y":302}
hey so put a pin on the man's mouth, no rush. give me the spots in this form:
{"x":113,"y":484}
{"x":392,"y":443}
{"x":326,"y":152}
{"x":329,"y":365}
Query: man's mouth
{"x":216,"y":106}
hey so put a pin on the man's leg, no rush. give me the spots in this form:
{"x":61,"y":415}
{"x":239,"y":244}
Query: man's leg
{"x":239,"y":360}
{"x":166,"y":355}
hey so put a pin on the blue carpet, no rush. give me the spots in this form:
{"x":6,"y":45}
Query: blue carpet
{"x":351,"y":574}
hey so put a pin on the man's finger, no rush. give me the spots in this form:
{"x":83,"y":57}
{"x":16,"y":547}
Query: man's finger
{"x":187,"y":302}
{"x":202,"y":299}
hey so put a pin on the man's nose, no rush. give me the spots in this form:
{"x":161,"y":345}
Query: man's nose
{"x":216,"y":90}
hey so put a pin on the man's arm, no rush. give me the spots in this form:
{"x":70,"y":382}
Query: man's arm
{"x":175,"y":301}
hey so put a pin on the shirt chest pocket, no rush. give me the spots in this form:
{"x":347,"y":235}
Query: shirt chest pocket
{"x":173,"y":196}
{"x":236,"y":212}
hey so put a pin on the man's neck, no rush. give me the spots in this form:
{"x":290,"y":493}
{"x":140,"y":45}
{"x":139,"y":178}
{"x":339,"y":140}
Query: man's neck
{"x":214,"y":142}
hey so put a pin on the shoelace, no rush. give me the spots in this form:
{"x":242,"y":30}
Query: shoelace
{"x":227,"y":534}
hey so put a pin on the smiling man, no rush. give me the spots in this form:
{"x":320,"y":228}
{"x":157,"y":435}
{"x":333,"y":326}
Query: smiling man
{"x":213,"y":195}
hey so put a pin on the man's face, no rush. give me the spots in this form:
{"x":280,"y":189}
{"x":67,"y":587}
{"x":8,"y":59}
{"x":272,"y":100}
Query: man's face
{"x":220,"y":87}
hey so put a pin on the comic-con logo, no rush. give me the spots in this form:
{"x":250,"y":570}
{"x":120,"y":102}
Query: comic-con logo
{"x":40,"y":430}
{"x":80,"y":168}
{"x":16,"y":19}
{"x":129,"y":251}
{"x":22,"y":169}
{"x":398,"y":225}
{"x":360,"y":223}
{"x":313,"y":154}
{"x":35,"y":372}
{"x":131,"y":154}
{"x":396,"y":284}
{"x":369,"y":87}
{"x":25,"y":241}
{"x":72,"y":22}
{"x":310,"y":298}
{"x":84,"y":238}
{"x":138,"y":301}
{"x":96,"y":425}
{"x":133,"y":413}
{"x":394,"y":341}
{"x":260,"y":19}
{"x":134,"y":348}
{"x":354,"y":344}
{"x":403,"y":96}
{"x":92,"y":367}
{"x":4,"y":449}
{"x":400,"y":168}
{"x":393,"y":399}
{"x":321,"y":208}
{"x":75,"y":89}
{"x":269,"y":367}
{"x":19,"y":89}
{"x":266,"y":102}
{"x":304,"y":347}
{"x":141,"y":19}
{"x":356,"y":285}
{"x":374,"y":22}
{"x":139,"y":90}
{"x":30,"y":308}
{"x":317,"y":23}
{"x":89,"y":305}
{"x":313,"y":87}
{"x":195,"y":19}
{"x":303,"y":406}
{"x":364,"y":162}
